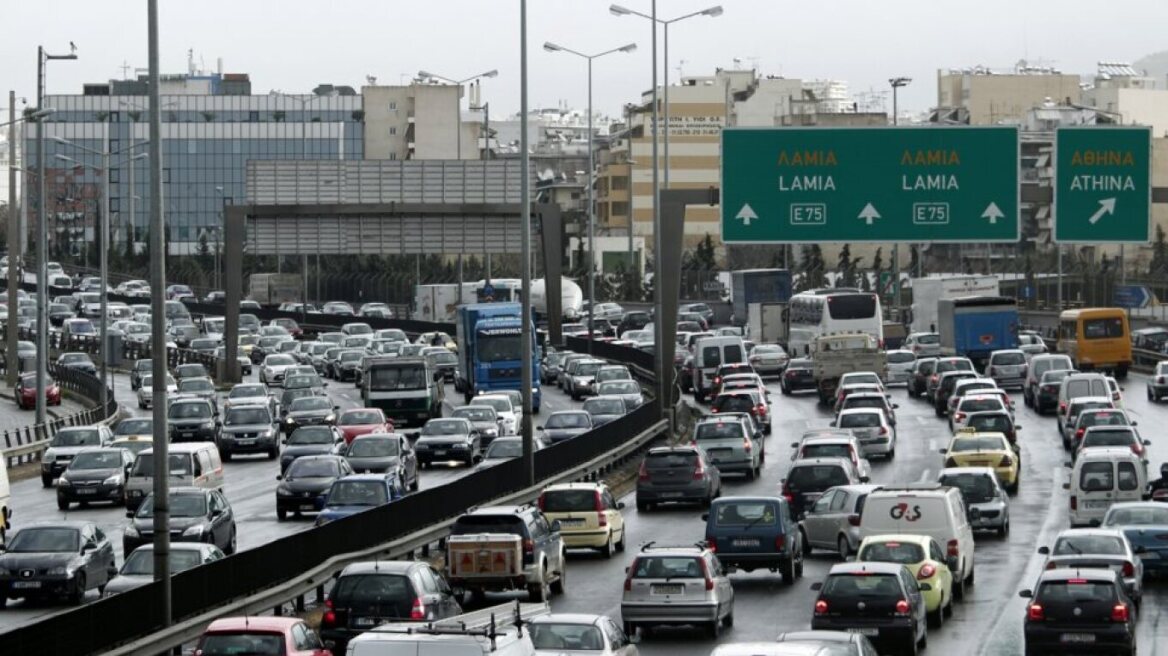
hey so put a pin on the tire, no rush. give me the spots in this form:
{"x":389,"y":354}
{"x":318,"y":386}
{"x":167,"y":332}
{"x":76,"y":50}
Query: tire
{"x":62,"y":504}
{"x":281,"y":514}
{"x":620,"y":545}
{"x":843,"y":547}
{"x":959,"y":589}
{"x":714,"y":629}
{"x":46,"y":481}
{"x":970,"y":580}
{"x":225,"y":455}
{"x":273,"y":452}
{"x":630,"y":629}
{"x":560,"y":585}
{"x":642,"y":506}
{"x":939,"y":411}
{"x":609,"y":548}
{"x":807,"y":548}
{"x":787,"y":570}
{"x":231,"y":544}
{"x":936,"y":618}
{"x":415,"y":485}
{"x":785,"y":390}
{"x":910,"y":649}
{"x":78,"y":594}
{"x":537,"y":593}
{"x":728,"y":621}
{"x":752,"y":473}
{"x":1004,"y":529}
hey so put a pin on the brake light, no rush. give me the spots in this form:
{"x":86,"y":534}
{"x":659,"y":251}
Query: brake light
{"x":1074,"y":502}
{"x":854,"y":520}
{"x":601,"y":517}
{"x":1129,"y":570}
{"x":780,"y":542}
{"x":717,"y":380}
{"x":330,"y":616}
{"x":1034,"y":613}
{"x":1062,"y":407}
{"x":960,"y":416}
{"x":927,"y":571}
{"x":712,"y":544}
{"x":629,"y":579}
{"x":540,"y":503}
{"x":934,"y":378}
{"x":761,"y":410}
{"x":821,"y":607}
{"x":1079,"y":433}
{"x":418,"y":610}
{"x":528,"y":546}
{"x":787,"y":494}
{"x":1005,"y":461}
{"x":699,"y":471}
{"x":1051,"y":565}
{"x":706,"y":574}
{"x":902,"y":607}
{"x":1119,"y":613}
{"x":714,"y":410}
{"x":643,"y":473}
{"x":953,"y":548}
{"x":1048,"y":388}
{"x":746,"y":445}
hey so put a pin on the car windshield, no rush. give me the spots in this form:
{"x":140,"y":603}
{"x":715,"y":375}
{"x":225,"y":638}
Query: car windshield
{"x":668,"y":567}
{"x":1137,"y":516}
{"x":361,"y":418}
{"x":604,"y":406}
{"x":1052,"y":377}
{"x":249,"y":643}
{"x":373,"y":447}
{"x":746,"y":513}
{"x":311,"y":435}
{"x":310,"y":403}
{"x":351,"y":356}
{"x":313,"y":468}
{"x":443,"y":357}
{"x":77,"y":437}
{"x":45,"y":539}
{"x":141,"y":562}
{"x":980,"y":405}
{"x":1008,"y":359}
{"x":859,"y":420}
{"x":566,"y":637}
{"x":358,"y":493}
{"x":444,"y":427}
{"x":964,"y":444}
{"x":568,"y":420}
{"x":975,"y":488}
{"x":97,"y":460}
{"x":247,"y":392}
{"x":134,"y":426}
{"x":196,"y":385}
{"x":905,"y":553}
{"x":279,"y":360}
{"x":900,"y":357}
{"x":189,"y":411}
{"x":583,"y":500}
{"x":1103,"y":419}
{"x":474,"y":414}
{"x":504,"y":449}
{"x":74,"y":358}
{"x":181,"y":505}
{"x":247,"y":415}
{"x":1075,"y":545}
{"x":399,"y":377}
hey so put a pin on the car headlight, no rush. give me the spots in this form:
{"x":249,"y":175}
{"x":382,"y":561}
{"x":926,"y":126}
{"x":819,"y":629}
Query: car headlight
{"x":284,"y":490}
{"x":132,"y":531}
{"x":195,"y":530}
{"x":290,"y":421}
{"x":116,"y":479}
{"x":462,"y":446}
{"x":63,"y":482}
{"x":491,"y":432}
{"x":60,"y":571}
{"x":209,"y":424}
{"x":330,"y":418}
{"x":48,"y":456}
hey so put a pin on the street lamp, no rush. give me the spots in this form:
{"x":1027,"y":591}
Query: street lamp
{"x":458,"y":101}
{"x":43,"y":58}
{"x":552,"y":47}
{"x":897,"y":83}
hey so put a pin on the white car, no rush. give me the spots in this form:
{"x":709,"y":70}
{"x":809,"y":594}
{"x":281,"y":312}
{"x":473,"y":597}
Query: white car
{"x":871,"y":427}
{"x":505,"y":409}
{"x":923,"y":345}
{"x":146,"y":390}
{"x":971,"y":403}
{"x":900,"y":366}
{"x":274,"y":367}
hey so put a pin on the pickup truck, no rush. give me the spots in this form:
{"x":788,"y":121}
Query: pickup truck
{"x":835,"y":355}
{"x":502,"y":548}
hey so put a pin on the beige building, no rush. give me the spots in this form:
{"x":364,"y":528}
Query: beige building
{"x":1126,"y":96}
{"x":980,"y":96}
{"x":417,"y":121}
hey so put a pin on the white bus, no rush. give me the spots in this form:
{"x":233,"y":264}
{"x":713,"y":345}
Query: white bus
{"x":824,"y":311}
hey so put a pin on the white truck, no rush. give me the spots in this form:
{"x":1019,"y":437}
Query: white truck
{"x":832,"y":356}
{"x":437,"y":303}
{"x":493,"y":631}
{"x":766,"y":323}
{"x":927,"y":292}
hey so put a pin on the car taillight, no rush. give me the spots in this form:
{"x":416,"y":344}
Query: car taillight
{"x":1034,"y":613}
{"x":699,"y":472}
{"x":1005,"y":461}
{"x":902,"y":607}
{"x":706,"y":574}
{"x":787,"y":494}
{"x":1119,"y":613}
{"x":540,"y":502}
{"x":761,"y":410}
{"x":717,"y":380}
{"x":418,"y":610}
{"x":1050,"y":389}
{"x":643,"y":472}
{"x":821,"y":607}
{"x":780,"y":542}
{"x":1062,"y":406}
{"x":927,"y":571}
{"x":953,"y":549}
{"x":1051,"y":565}
{"x":528,"y":545}
{"x":960,"y":416}
{"x":330,"y":616}
{"x":1074,"y":502}
{"x":1129,"y":570}
{"x":934,"y":378}
{"x":713,"y":411}
{"x":601,"y":518}
{"x":1079,"y":434}
{"x":629,"y":582}
{"x":883,"y":431}
{"x":854,"y":520}
{"x":790,"y":374}
{"x":712,"y":544}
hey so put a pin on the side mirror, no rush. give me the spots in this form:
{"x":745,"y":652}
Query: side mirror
{"x":1026,"y":594}
{"x":1135,"y":423}
{"x":216,"y":512}
{"x":540,"y":427}
{"x":794,"y":445}
{"x":556,"y":526}
{"x":1044,"y":550}
{"x":925,"y":587}
{"x":279,"y":477}
{"x":817,"y":586}
{"x":705,"y":517}
{"x":1147,"y":442}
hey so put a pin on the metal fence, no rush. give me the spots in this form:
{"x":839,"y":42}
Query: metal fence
{"x":25,"y":444}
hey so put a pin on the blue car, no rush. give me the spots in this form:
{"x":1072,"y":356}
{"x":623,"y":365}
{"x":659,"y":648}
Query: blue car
{"x":1145,"y":523}
{"x":353,"y":494}
{"x":750,"y":533}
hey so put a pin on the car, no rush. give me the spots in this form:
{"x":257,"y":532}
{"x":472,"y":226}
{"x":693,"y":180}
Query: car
{"x":755,"y":532}
{"x":385,"y":453}
{"x":1085,"y":609}
{"x":369,"y":593}
{"x":66,"y":444}
{"x":717,"y":374}
{"x":677,"y":586}
{"x":190,"y":370}
{"x":871,"y":427}
{"x":832,"y":443}
{"x":611,"y":372}
{"x":1031,"y":344}
{"x":730,"y":444}
{"x":628,"y":391}
{"x":1111,"y":436}
{"x":360,"y":421}
{"x":305,"y":482}
{"x":95,"y":475}
{"x":1008,"y":368}
{"x":676,"y":474}
{"x":1158,"y":382}
{"x":274,"y":367}
{"x":971,"y":386}
{"x":201,"y":387}
{"x":279,"y":636}
{"x":59,"y":312}
{"x":1070,"y":416}
{"x":973,"y":402}
{"x":580,"y":378}
{"x":555,"y":633}
{"x":565,"y":424}
{"x":56,"y":559}
{"x":192,"y":420}
{"x":309,"y":411}
{"x":25,"y":392}
{"x":881,"y":601}
{"x":635,"y":320}
{"x":506,"y":410}
{"x":145,"y":392}
{"x":543,"y":570}
{"x":1039,"y":365}
{"x":133,"y":429}
{"x":313,"y":440}
{"x":1097,"y":417}
{"x":919,"y":377}
{"x":994,"y":421}
{"x":981,"y":490}
{"x":808,"y":479}
{"x":249,"y":429}
{"x":1098,"y":548}
{"x":876,"y":400}
{"x":972,"y":449}
{"x":900,"y":366}
{"x":483,"y":418}
{"x":444,"y":362}
{"x":1046,"y":394}
{"x":196,"y":515}
{"x":942,"y":366}
{"x":358,"y":493}
{"x":549,"y":371}
{"x":1145,"y":524}
{"x":832,"y":522}
{"x":750,"y":401}
{"x":604,"y":409}
{"x":768,"y":359}
{"x":138,"y":568}
{"x":251,"y":394}
{"x":446,"y":439}
{"x":78,"y":361}
{"x":925,"y":560}
{"x":589,"y":516}
{"x":923,"y":345}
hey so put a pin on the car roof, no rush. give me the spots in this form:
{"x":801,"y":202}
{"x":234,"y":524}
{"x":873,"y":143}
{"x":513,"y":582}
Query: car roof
{"x":1088,"y":573}
{"x":64,"y":523}
{"x":917,"y":538}
{"x":811,"y":462}
{"x":981,"y":471}
{"x":865,"y":566}
{"x":364,"y":477}
{"x":860,"y":411}
{"x":1106,"y":532}
{"x":567,"y":618}
{"x":680,"y":448}
{"x":253,"y":622}
{"x":576,"y":486}
{"x":1091,"y":399}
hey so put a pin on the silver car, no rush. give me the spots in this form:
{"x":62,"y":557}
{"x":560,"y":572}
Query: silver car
{"x":559,"y":633}
{"x":870,"y":426}
{"x":676,"y":586}
{"x":900,"y":366}
{"x":769,"y":359}
{"x":833,"y":521}
{"x":923,"y":344}
{"x":981,"y":489}
{"x":1098,"y":548}
{"x":146,"y":390}
{"x":1008,"y":368}
{"x":731,"y":445}
{"x":628,"y":390}
{"x":138,"y":570}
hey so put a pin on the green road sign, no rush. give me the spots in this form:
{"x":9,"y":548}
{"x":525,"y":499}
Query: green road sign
{"x":1103,"y":190}
{"x":920,"y":184}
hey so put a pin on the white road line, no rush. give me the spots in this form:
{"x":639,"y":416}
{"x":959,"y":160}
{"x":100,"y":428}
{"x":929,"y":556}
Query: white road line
{"x":925,"y":475}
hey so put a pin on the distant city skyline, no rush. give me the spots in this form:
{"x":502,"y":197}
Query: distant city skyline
{"x":303,"y":45}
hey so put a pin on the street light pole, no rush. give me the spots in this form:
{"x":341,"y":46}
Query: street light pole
{"x":525,"y":333}
{"x":897,"y":83}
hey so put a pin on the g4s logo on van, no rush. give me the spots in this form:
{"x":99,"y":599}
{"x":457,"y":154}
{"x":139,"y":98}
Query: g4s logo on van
{"x":903,"y":511}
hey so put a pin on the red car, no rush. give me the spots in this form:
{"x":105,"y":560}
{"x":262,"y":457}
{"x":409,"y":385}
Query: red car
{"x":25,"y":392}
{"x":275,"y":636}
{"x":362,"y":421}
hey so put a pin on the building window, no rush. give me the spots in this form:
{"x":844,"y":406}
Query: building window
{"x":253,"y":117}
{"x":166,"y":176}
{"x":393,"y":130}
{"x":393,"y":106}
{"x":393,"y":155}
{"x":115,"y":117}
{"x":115,"y":176}
{"x":115,"y":145}
{"x":115,"y":204}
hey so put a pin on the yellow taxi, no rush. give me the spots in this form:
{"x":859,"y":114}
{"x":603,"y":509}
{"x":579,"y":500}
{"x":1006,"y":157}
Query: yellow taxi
{"x":969,"y":448}
{"x":589,"y":516}
{"x":925,"y":559}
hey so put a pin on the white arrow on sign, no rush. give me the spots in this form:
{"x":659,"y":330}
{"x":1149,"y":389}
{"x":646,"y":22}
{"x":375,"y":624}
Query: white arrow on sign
{"x":1106,"y":206}
{"x":993,"y":213}
{"x":746,"y":214}
{"x":868,"y":213}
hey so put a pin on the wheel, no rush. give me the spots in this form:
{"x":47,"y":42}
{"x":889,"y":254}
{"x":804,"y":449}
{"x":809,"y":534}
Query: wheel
{"x":560,"y":585}
{"x":937,"y":618}
{"x":225,"y":455}
{"x":728,"y":621}
{"x":1151,"y":397}
{"x":537,"y":592}
{"x":939,"y":411}
{"x":231,"y":544}
{"x":924,"y":641}
{"x":751,"y":473}
{"x":46,"y":481}
{"x":799,"y":565}
{"x":959,"y":589}
{"x":948,"y":608}
{"x":608,"y":549}
{"x":281,"y":514}
{"x":714,"y":629}
{"x":843,"y":547}
{"x":273,"y":452}
{"x":630,"y":629}
{"x":910,"y":649}
{"x":415,"y":485}
{"x":969,"y":580}
{"x":1004,"y":529}
{"x":1012,"y":489}
{"x":62,"y":504}
{"x":785,"y":390}
{"x":78,"y":594}
{"x":787,"y":570}
{"x":891,"y":453}
{"x":642,"y":506}
{"x":807,"y":548}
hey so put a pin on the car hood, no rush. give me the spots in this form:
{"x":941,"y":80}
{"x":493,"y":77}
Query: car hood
{"x":485,"y":425}
{"x":374,"y":462}
{"x":91,"y":474}
{"x":124,"y":582}
{"x":362,"y":429}
{"x":314,"y":484}
{"x":297,"y":450}
{"x":176,"y":523}
{"x":246,"y":428}
{"x":440,"y":440}
{"x":36,"y":560}
{"x":246,"y":401}
{"x":600,"y":420}
{"x":309,"y":414}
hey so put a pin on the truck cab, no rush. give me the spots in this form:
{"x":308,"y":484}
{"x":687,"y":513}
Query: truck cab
{"x":490,"y":351}
{"x":407,"y":389}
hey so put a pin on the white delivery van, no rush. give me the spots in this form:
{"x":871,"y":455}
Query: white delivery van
{"x":192,"y":464}
{"x":1102,"y":476}
{"x":925,"y":509}
{"x":711,"y":353}
{"x":495,"y":631}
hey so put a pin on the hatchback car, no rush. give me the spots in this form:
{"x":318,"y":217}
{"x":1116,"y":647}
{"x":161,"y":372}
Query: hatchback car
{"x":447,"y":439}
{"x":1098,"y":548}
{"x":1111,"y":436}
{"x":833,"y":521}
{"x":309,"y":411}
{"x":730,"y":444}
{"x":25,"y":392}
{"x":564,"y":425}
{"x":927,"y":562}
{"x":360,"y":421}
{"x":798,"y":376}
{"x":78,"y":361}
{"x":970,"y":449}
{"x":1100,"y":417}
{"x":747,"y":401}
{"x":881,"y":601}
{"x":95,"y":475}
{"x":589,"y":515}
{"x":749,"y":533}
{"x":923,"y":344}
{"x":972,"y":403}
{"x":597,"y":635}
{"x":66,"y":444}
{"x":1008,"y":368}
{"x":138,"y":569}
{"x":385,"y":453}
{"x":870,"y":426}
{"x":357,"y":493}
{"x":900,"y":366}
{"x":249,"y":429}
{"x":1158,"y":382}
{"x":279,"y":636}
{"x":918,"y":379}
{"x":809,"y":479}
{"x":1082,"y":610}
{"x":677,"y":586}
{"x":56,"y":559}
{"x":676,"y":474}
{"x":196,"y":515}
{"x":483,"y":418}
{"x":305,"y":483}
{"x":145,"y":392}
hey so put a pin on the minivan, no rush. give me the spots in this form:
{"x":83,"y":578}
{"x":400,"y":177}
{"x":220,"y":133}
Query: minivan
{"x":193,"y":464}
{"x":1096,"y":338}
{"x":1039,"y":365}
{"x":709,"y":354}
{"x":1101,"y":476}
{"x":1077,"y":385}
{"x":926,"y":509}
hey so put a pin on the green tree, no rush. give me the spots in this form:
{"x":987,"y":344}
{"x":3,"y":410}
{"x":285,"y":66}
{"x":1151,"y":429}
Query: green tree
{"x":704,"y":255}
{"x":845,"y":268}
{"x":914,"y":259}
{"x":815,"y":268}
{"x":1159,"y":263}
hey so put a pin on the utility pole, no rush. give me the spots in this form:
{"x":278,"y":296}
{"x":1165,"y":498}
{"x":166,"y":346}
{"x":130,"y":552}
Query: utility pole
{"x":12,"y":362}
{"x":525,"y":332}
{"x":897,"y":83}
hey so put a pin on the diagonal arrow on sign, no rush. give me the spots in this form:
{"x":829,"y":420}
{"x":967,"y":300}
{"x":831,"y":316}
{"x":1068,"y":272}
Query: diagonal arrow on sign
{"x":868,"y":213}
{"x":746,"y":214}
{"x":1106,"y":206}
{"x":993,"y":213}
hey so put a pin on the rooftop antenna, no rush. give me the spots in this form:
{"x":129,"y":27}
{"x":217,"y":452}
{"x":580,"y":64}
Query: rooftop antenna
{"x":371,"y":80}
{"x":680,"y":64}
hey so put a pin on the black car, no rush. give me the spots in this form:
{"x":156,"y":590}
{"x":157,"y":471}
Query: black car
{"x":633,"y":321}
{"x":483,"y":418}
{"x":308,"y":411}
{"x":443,"y":440}
{"x":918,"y":380}
{"x":1047,"y":394}
{"x":192,"y":420}
{"x":797,"y":376}
{"x":306,"y":482}
{"x":321,"y":440}
{"x":676,"y":474}
{"x":57,"y":559}
{"x":564,"y":425}
{"x":78,"y":361}
{"x":882,"y":601}
{"x":290,"y":396}
{"x":366,"y":595}
{"x":445,"y":363}
{"x":385,"y":453}
{"x":95,"y":475}
{"x":1082,"y":611}
{"x":59,"y":312}
{"x":196,"y":515}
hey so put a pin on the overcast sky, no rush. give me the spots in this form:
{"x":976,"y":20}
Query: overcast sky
{"x":293,"y":45}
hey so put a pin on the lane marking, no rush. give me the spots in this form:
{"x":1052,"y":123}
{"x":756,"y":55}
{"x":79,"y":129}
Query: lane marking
{"x":925,"y":475}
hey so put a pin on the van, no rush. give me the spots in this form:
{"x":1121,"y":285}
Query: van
{"x":193,"y":464}
{"x":926,"y":509}
{"x":1096,"y":338}
{"x":1101,"y":476}
{"x":1078,"y":385}
{"x":1039,"y":365}
{"x":493,"y":631}
{"x":709,"y":354}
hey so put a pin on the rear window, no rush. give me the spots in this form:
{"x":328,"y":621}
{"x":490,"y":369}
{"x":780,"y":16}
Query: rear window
{"x":981,"y":405}
{"x":1128,"y":478}
{"x":1103,"y":419}
{"x":253,"y":643}
{"x":1102,"y":328}
{"x":1075,"y":545}
{"x":1107,"y":438}
{"x":900,"y":358}
{"x":711,"y":356}
{"x":734,"y":353}
{"x":1096,"y":477}
{"x":488,"y":524}
{"x":826,"y":451}
{"x":865,"y":586}
{"x":975,"y":488}
{"x":1074,"y":591}
{"x":860,"y":420}
{"x":377,"y":590}
{"x":863,"y":402}
{"x":905,"y":553}
{"x":992,"y":423}
{"x":718,"y":430}
{"x":954,"y":365}
{"x":852,"y":306}
{"x":668,"y":567}
{"x":931,"y":338}
{"x":734,"y":403}
{"x":1009,"y":358}
{"x":665,"y":460}
{"x":746,"y":513}
{"x":817,"y":477}
{"x":568,"y":501}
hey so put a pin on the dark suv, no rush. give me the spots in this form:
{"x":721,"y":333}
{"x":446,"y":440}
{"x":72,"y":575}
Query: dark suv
{"x":882,"y":601}
{"x":752,"y":533}
{"x":1079,"y":611}
{"x":918,"y":379}
{"x":369,"y":594}
{"x":670,"y":474}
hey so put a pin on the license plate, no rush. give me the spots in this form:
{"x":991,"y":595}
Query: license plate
{"x":310,"y":506}
{"x":667,"y":589}
{"x":440,"y":453}
{"x":1096,"y":504}
{"x":1078,"y":638}
{"x":571,"y":522}
{"x":364,"y":621}
{"x":865,"y":631}
{"x":86,"y":490}
{"x":186,"y":434}
{"x":745,"y":543}
{"x":26,"y":584}
{"x":670,"y":495}
{"x":245,"y":442}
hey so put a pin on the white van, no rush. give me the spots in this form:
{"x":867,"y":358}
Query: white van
{"x":192,"y":464}
{"x":1039,"y":365}
{"x":711,"y":353}
{"x":1102,"y":476}
{"x":1077,"y":385}
{"x":492,"y":631}
{"x":925,"y":509}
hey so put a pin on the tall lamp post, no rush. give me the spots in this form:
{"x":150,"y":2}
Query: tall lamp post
{"x":42,"y":354}
{"x":897,"y":83}
{"x":712,"y":12}
{"x":552,"y":47}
